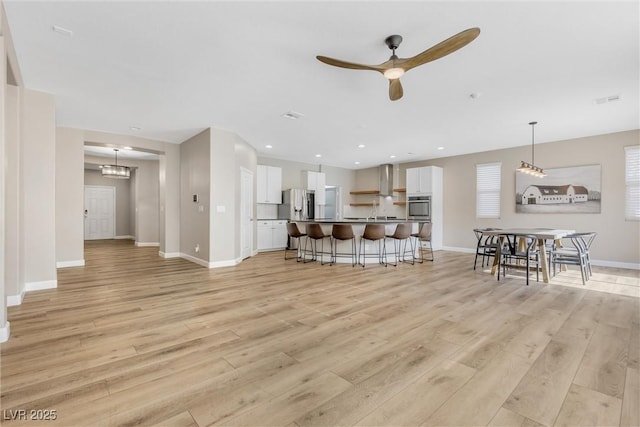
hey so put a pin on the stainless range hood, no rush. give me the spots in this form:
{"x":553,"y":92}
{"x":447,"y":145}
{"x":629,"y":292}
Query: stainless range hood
{"x":386,"y":179}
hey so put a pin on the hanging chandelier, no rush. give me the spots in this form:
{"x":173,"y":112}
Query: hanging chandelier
{"x":531,"y":168}
{"x":115,"y":171}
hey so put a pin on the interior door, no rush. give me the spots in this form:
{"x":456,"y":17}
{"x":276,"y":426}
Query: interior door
{"x":246,"y":213}
{"x":99,"y":212}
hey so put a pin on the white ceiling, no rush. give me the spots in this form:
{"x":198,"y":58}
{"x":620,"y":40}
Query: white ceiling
{"x":108,"y":152}
{"x":173,"y":68}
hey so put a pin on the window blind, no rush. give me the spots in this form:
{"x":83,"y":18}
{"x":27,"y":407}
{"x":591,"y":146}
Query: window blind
{"x":632,"y":182}
{"x":488,"y":190}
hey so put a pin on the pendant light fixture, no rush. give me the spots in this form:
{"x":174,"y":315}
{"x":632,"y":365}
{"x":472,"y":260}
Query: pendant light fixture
{"x":115,"y":171}
{"x":531,"y":168}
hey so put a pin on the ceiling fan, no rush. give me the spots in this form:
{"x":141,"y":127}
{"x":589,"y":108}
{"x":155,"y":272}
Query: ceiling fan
{"x":396,"y":67}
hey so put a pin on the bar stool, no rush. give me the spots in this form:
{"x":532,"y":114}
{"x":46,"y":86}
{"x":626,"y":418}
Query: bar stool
{"x":294,"y":233}
{"x":342,"y":232}
{"x":315,"y":233}
{"x":401,"y":234}
{"x":373,"y":232}
{"x":423,"y":235}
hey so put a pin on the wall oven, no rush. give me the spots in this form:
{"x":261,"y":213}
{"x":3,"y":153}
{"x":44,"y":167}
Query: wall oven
{"x":419,"y":207}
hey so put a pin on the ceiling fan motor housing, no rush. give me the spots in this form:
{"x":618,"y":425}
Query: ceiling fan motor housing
{"x":393,"y":41}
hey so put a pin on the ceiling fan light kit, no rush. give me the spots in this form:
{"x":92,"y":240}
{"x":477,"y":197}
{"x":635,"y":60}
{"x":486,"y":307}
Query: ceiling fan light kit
{"x":530,"y":168}
{"x":395,"y":67}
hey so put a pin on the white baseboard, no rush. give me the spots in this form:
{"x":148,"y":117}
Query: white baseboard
{"x":194,"y":259}
{"x":616,"y":264}
{"x":169,"y":254}
{"x":39,"y":286}
{"x":147,"y":243}
{"x":228,"y":263}
{"x":456,"y":249}
{"x":212,"y":264}
{"x":598,"y":262}
{"x":124,"y":237}
{"x":254,"y":252}
{"x":13,"y":300}
{"x":5,"y":332}
{"x":74,"y":263}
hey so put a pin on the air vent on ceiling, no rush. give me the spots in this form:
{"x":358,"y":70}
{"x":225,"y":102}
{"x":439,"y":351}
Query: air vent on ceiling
{"x":607,"y":99}
{"x":61,"y":30}
{"x":293,"y":115}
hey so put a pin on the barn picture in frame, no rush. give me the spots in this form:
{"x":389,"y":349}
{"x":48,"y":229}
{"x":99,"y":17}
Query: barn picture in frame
{"x":575,"y":189}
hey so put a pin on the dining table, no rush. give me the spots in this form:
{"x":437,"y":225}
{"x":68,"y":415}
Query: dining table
{"x":541,"y":234}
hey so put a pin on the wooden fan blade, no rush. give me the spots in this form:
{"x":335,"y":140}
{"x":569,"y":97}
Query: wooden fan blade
{"x":395,"y":89}
{"x":443,"y":48}
{"x":350,"y":65}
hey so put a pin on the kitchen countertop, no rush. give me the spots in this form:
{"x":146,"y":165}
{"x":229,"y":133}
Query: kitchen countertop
{"x":360,"y":221}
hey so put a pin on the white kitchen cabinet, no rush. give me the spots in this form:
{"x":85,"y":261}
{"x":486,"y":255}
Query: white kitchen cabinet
{"x":316,"y":181}
{"x":420,"y":180}
{"x":272,"y":234}
{"x":269,"y":184}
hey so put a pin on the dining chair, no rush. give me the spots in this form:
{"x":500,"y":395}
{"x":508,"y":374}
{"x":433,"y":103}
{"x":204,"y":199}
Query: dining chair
{"x":486,"y":246}
{"x":511,"y":256}
{"x":576,"y":254}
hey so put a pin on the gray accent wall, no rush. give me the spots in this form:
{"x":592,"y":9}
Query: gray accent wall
{"x":195,"y":180}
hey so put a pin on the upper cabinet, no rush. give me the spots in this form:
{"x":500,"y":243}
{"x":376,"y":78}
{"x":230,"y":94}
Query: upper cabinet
{"x":269,"y":188}
{"x":420,"y":180}
{"x":316,"y":181}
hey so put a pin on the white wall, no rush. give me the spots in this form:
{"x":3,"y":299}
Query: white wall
{"x":38,"y":176}
{"x":617,"y":240}
{"x":69,"y":198}
{"x":147,"y":196}
{"x":13,"y":280}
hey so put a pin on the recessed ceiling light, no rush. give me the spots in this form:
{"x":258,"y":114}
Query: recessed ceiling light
{"x":62,"y":31}
{"x":127,"y":148}
{"x":268,"y":146}
{"x":318,"y":155}
{"x":135,"y":128}
{"x":292,"y":115}
{"x":440,"y":148}
{"x":357,"y":163}
{"x":361,"y":146}
{"x":392,"y":156}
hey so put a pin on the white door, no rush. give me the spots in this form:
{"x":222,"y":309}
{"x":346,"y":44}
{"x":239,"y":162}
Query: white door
{"x":246,"y":213}
{"x":99,"y":212}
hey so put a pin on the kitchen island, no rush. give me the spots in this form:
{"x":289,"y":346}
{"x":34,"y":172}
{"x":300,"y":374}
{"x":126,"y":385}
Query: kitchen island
{"x":358,"y":225}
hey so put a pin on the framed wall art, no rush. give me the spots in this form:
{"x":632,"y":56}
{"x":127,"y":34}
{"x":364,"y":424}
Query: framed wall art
{"x":575,"y":189}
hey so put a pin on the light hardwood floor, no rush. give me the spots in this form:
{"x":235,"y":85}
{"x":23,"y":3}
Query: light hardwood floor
{"x":135,"y":339}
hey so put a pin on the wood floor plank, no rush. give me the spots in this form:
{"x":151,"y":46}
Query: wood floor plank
{"x":604,"y":365}
{"x":135,"y":339}
{"x":631,"y":401}
{"x":507,"y":418}
{"x":540,"y":394}
{"x":586,"y":407}
{"x":478,"y":400}
{"x":421,"y":398}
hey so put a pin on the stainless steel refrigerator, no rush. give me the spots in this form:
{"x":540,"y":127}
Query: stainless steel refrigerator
{"x":297,"y":205}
